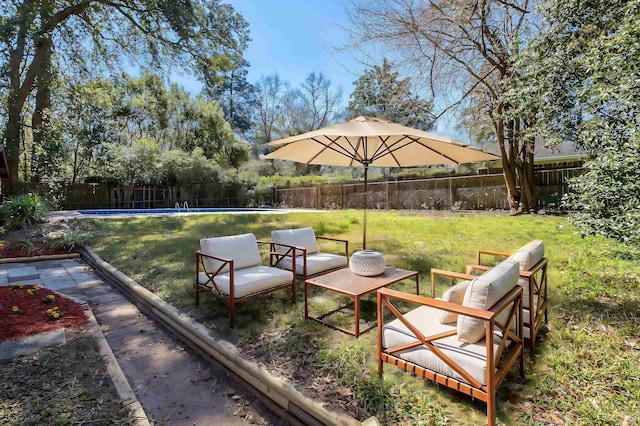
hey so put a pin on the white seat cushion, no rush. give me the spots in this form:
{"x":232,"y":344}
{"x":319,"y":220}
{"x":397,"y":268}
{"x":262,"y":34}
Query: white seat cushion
{"x":248,"y":281}
{"x":471,"y":357}
{"x":242,"y":249}
{"x":316,"y":263}
{"x":454,"y":294}
{"x":301,"y":237}
{"x":483,"y":293}
{"x":524,"y":283}
{"x":526,"y":318}
{"x":528,"y":255}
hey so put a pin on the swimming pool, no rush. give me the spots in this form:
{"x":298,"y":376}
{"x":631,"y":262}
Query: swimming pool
{"x":146,"y":212}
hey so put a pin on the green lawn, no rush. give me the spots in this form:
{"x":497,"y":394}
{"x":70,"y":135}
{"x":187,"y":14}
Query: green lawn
{"x":586,"y":368}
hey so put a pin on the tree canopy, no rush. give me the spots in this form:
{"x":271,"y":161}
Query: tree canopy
{"x":380,"y":92}
{"x":42,"y":39}
{"x":463,"y":52}
{"x":581,"y":80}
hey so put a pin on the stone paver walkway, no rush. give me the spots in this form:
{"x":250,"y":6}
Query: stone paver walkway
{"x":174,"y":386}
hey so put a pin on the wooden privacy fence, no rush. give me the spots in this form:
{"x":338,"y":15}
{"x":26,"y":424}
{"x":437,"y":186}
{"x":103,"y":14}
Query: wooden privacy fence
{"x":103,"y":196}
{"x":480,"y":192}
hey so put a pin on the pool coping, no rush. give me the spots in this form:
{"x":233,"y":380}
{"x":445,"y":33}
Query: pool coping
{"x":76,"y":214}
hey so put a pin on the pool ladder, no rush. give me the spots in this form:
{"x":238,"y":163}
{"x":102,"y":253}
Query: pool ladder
{"x":186,"y":206}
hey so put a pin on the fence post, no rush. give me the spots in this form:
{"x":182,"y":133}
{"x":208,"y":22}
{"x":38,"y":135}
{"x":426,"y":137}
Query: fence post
{"x":451,"y":193}
{"x":387,"y":194}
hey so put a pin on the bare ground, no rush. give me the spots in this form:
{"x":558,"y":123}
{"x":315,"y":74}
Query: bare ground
{"x":65,"y":384}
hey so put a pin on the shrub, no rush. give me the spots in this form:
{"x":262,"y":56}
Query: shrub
{"x":69,"y":241}
{"x":23,"y":210}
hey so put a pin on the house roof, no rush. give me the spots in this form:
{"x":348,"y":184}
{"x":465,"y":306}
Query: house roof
{"x":563,"y":152}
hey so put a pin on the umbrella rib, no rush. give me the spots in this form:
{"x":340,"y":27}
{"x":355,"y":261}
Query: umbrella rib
{"x":380,"y":152}
{"x":436,"y":151}
{"x":330,"y":146}
{"x":356,"y":156}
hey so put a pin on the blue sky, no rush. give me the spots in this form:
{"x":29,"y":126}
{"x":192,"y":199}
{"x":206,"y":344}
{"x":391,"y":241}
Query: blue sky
{"x":296,"y":37}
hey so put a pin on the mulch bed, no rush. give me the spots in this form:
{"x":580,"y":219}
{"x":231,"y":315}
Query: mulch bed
{"x":7,"y":252}
{"x":23,"y":314}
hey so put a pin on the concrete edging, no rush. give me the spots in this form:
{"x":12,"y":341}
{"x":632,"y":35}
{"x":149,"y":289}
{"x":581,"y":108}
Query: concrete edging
{"x":39,"y":258}
{"x":277,"y":391}
{"x":120,"y":381}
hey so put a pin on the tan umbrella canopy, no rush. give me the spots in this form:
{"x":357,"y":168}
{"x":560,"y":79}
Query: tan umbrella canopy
{"x":374,"y":142}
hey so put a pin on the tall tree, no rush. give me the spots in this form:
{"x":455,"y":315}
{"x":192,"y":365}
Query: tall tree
{"x":581,"y":79}
{"x":319,"y":102}
{"x":89,"y":109}
{"x":463,"y":50}
{"x":381,"y":93}
{"x":271,"y":93}
{"x":226,"y":82}
{"x":34,"y":32}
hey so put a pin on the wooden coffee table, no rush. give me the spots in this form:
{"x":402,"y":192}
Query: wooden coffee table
{"x":346,"y":282}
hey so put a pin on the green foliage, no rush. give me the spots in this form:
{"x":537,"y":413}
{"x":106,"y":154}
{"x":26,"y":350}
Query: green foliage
{"x":23,"y":211}
{"x":23,"y":245}
{"x":379,"y":92}
{"x":580,"y":82}
{"x":86,"y":37}
{"x":188,"y":170}
{"x":70,"y":241}
{"x":136,"y":164}
{"x":422,"y":173}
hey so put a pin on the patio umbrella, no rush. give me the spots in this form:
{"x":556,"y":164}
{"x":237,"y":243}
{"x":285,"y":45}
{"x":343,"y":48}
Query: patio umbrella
{"x":374,"y":142}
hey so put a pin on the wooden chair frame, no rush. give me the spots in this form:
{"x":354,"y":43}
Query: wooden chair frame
{"x":277,"y":257}
{"x":210,"y":284}
{"x":537,"y":278}
{"x":497,"y":367}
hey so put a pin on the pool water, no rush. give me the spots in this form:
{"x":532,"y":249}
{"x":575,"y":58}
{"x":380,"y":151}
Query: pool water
{"x":103,"y":212}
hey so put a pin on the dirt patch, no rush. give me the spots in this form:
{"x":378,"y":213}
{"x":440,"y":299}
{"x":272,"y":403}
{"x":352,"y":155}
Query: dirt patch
{"x":453,"y":213}
{"x":29,"y":309}
{"x":281,"y":352}
{"x":66,"y":384}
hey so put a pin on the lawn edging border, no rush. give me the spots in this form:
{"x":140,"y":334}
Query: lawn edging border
{"x":39,"y":258}
{"x":276,"y":393}
{"x":118,"y":378}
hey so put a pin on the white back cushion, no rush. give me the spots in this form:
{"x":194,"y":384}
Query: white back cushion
{"x":528,"y":255}
{"x":242,"y":249}
{"x":454,"y":294}
{"x":301,"y":237}
{"x":483,"y":292}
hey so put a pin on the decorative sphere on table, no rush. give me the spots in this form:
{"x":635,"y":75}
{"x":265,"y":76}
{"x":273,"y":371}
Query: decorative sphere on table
{"x":367,"y":263}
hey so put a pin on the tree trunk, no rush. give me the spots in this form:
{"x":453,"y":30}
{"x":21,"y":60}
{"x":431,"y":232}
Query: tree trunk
{"x":22,"y":72}
{"x":529,"y":180}
{"x":17,"y":94}
{"x":509,"y":170}
{"x":43,"y":79}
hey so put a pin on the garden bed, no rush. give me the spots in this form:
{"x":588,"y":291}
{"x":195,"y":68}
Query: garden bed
{"x":29,"y":309}
{"x":9,"y":250}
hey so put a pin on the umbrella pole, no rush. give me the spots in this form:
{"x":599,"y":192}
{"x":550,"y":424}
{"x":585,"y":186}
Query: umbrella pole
{"x":364,"y":223}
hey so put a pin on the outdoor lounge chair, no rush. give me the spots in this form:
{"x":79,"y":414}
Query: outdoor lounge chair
{"x":232,"y":267}
{"x":533,"y":279}
{"x":468,"y":342}
{"x":309,"y":260}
